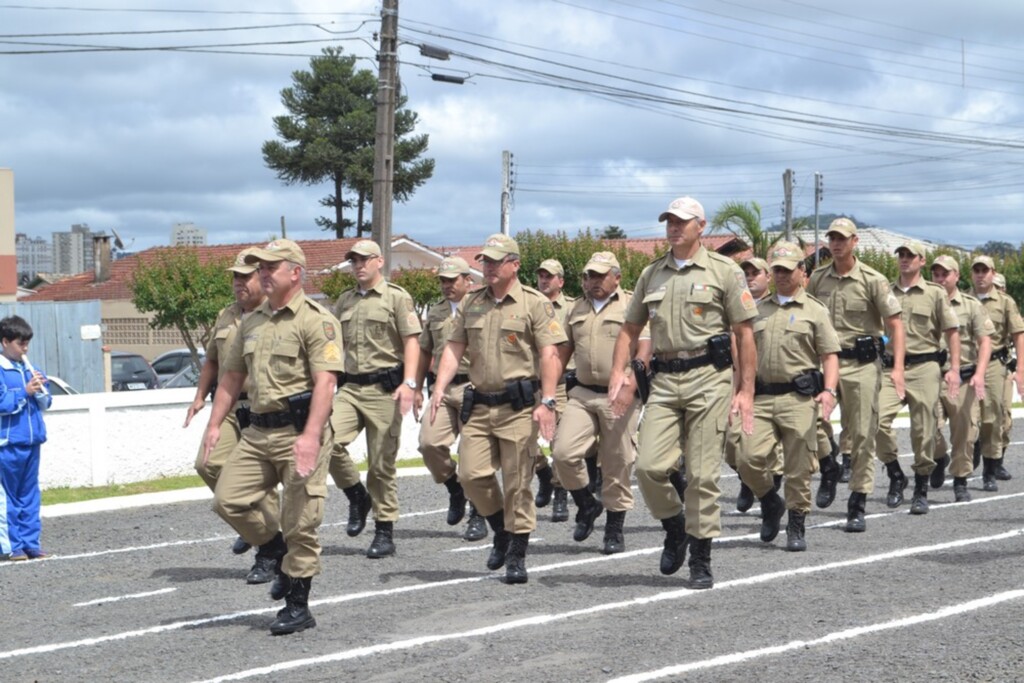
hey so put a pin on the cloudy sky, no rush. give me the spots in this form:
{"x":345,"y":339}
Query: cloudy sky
{"x":910,"y":110}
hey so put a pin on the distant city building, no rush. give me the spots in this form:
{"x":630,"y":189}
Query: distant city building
{"x":34,"y":255}
{"x":188,"y":235}
{"x":72,"y":251}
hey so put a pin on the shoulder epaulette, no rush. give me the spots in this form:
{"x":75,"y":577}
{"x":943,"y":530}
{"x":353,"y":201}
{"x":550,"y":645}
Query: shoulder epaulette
{"x":816,"y":300}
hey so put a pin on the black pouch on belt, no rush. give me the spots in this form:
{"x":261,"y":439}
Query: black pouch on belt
{"x":866,"y":348}
{"x":242,"y":414}
{"x":720,"y":350}
{"x":810,"y":383}
{"x":528,"y":391}
{"x":515,"y":394}
{"x":298,"y":406}
{"x":468,"y":397}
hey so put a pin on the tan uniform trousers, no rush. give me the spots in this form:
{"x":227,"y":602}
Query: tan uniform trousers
{"x":859,"y":384}
{"x":923,"y":385}
{"x":210,"y":471}
{"x":1007,"y":409}
{"x":732,"y":449}
{"x":588,"y":419}
{"x":369,"y":407}
{"x":825,"y":437}
{"x":686,"y":415}
{"x":964,"y":415}
{"x":845,"y":441}
{"x":498,"y":438}
{"x":993,"y":417}
{"x":542,"y":460}
{"x":436,"y":439}
{"x":263,"y":459}
{"x":792,"y":421}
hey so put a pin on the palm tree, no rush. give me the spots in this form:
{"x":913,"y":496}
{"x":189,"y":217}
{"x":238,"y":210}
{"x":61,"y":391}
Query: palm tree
{"x":743,"y":219}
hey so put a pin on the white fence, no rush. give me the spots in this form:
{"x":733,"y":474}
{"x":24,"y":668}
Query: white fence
{"x":123,"y":437}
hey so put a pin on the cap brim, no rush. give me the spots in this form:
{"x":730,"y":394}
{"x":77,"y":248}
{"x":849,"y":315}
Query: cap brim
{"x":492,"y":254}
{"x":678,"y":214}
{"x":242,"y":270}
{"x":598,"y":268}
{"x":788,"y":264}
{"x":842,"y":232}
{"x":263,"y":255}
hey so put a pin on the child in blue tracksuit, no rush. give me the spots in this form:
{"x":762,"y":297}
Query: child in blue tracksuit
{"x":23,"y":398}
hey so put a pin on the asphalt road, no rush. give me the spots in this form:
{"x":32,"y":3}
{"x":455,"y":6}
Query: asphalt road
{"x":154,"y":594}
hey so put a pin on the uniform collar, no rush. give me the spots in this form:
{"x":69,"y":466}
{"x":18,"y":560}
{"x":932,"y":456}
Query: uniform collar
{"x":515,"y":292}
{"x":560,"y":301}
{"x":853,"y":271}
{"x":293,"y":304}
{"x":800,"y":297}
{"x":700,"y":259}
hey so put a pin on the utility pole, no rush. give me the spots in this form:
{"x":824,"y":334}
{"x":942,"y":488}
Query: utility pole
{"x":284,"y":229}
{"x":787,"y":185}
{"x":818,"y":194}
{"x":506,"y":189}
{"x":384,"y":142}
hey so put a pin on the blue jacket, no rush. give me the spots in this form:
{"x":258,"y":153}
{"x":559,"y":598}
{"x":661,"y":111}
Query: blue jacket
{"x":21,"y":415}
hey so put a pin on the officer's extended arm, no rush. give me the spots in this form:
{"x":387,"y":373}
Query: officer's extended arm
{"x":981,"y":366}
{"x":894,"y":328}
{"x":410,"y":356}
{"x":953,"y":375}
{"x":625,"y":347}
{"x":446,"y":368}
{"x":228,"y":388}
{"x":206,"y":378}
{"x":746,"y":355}
{"x":550,"y":371}
{"x":830,"y":368}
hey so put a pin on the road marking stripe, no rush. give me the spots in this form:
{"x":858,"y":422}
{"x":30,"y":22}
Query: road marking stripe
{"x":118,"y":598}
{"x":848,"y":634}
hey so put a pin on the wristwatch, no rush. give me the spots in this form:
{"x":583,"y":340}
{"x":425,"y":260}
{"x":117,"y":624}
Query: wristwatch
{"x":835,"y":394}
{"x":548,"y":403}
{"x":411,"y":383}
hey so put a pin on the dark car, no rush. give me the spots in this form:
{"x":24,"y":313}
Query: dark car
{"x":168,"y":364}
{"x":131,"y":372}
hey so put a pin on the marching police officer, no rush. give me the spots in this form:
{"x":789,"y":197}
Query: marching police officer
{"x":794,"y":337}
{"x":248,"y":296}
{"x":926,"y":317}
{"x":593,"y":323}
{"x":1008,"y":330}
{"x":861,"y":306}
{"x":289,"y":350}
{"x":963,"y":412}
{"x":509,"y":331}
{"x":380,"y":330}
{"x":437,"y":437}
{"x":999,"y":282}
{"x":692,"y":299}
{"x":550,"y":281}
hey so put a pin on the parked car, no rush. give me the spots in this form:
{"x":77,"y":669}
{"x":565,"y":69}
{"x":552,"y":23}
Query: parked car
{"x":59,"y":387}
{"x":170,"y":363}
{"x":131,"y":372}
{"x":188,"y":376}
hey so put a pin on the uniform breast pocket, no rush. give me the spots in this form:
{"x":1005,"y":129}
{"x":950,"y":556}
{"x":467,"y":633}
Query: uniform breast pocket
{"x":611,"y":325}
{"x":437,"y":332}
{"x":653,"y":301}
{"x":759,"y":328}
{"x":286,"y":354}
{"x":347,"y":325}
{"x":921,"y":320}
{"x":475,"y":332}
{"x":856,"y":313}
{"x":512,"y":333}
{"x":377,"y":322}
{"x":248,"y":351}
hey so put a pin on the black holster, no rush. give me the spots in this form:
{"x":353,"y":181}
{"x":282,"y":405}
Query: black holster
{"x":720,"y":350}
{"x":431,"y":378}
{"x":298,"y":406}
{"x":520,"y":393}
{"x":242,"y":414}
{"x":809,"y":383}
{"x":643,"y":380}
{"x":468,"y":397}
{"x":967,"y":372}
{"x":867,"y":349}
{"x":391,"y":378}
{"x":571,"y":381}
{"x":1012,"y":365}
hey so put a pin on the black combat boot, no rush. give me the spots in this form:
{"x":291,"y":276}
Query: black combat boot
{"x":676,"y":540}
{"x":795,"y":541}
{"x":383,"y":543}
{"x":919,"y":501}
{"x":544,"y":488}
{"x":776,"y":482}
{"x":268,"y":561}
{"x":772,"y":510}
{"x":613,"y":540}
{"x":678,"y":481}
{"x":240,"y":546}
{"x":476,"y":530}
{"x":846,"y":469}
{"x":502,"y":538}
{"x":700,"y":565}
{"x":977,"y":453}
{"x":988,"y":475}
{"x":515,"y":566}
{"x":456,"y":500}
{"x":830,"y":470}
{"x":855,"y":512}
{"x":1002,"y":474}
{"x":359,"y":504}
{"x":745,"y":499}
{"x":587,"y":512}
{"x":898,"y":482}
{"x":938,"y":475}
{"x":960,"y":491}
{"x":560,"y":505}
{"x":295,"y":616}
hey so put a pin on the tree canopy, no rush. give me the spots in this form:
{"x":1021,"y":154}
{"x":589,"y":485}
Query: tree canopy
{"x":328,"y":136}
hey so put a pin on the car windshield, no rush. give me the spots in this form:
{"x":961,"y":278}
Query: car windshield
{"x":128,"y":366}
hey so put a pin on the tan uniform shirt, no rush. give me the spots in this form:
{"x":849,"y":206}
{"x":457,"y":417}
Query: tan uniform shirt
{"x":974,"y":324}
{"x":563,"y":304}
{"x":685,"y":306}
{"x":502,"y":338}
{"x":926,"y":315}
{"x":858,"y":302}
{"x":1002,"y":311}
{"x":791,"y":337}
{"x":375,"y":325}
{"x":592,"y":334}
{"x":225,"y":328}
{"x":440,"y":320}
{"x":282,"y":350}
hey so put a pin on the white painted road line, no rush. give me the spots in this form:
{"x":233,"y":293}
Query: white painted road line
{"x":848,"y":634}
{"x":118,"y":598}
{"x":542,"y":619}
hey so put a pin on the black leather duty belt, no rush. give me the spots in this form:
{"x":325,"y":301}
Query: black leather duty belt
{"x":680,"y":364}
{"x":499,"y":397}
{"x":271,"y":420}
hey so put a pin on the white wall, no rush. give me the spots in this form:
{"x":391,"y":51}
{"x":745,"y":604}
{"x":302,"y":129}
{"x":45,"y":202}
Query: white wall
{"x":124,"y":437}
